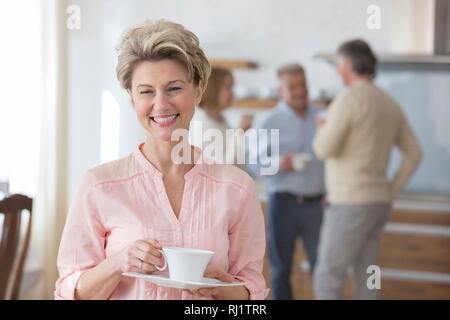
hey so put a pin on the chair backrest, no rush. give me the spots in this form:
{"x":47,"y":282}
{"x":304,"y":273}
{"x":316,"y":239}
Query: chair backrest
{"x":14,"y":236}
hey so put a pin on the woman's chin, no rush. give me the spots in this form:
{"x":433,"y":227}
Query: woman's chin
{"x":166,"y":137}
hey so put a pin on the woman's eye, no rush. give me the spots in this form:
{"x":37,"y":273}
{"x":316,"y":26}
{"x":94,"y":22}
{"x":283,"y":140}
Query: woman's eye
{"x":145,"y":92}
{"x":172,"y":89}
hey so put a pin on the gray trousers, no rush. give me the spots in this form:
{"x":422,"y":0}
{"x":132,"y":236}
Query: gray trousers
{"x":349,"y":242}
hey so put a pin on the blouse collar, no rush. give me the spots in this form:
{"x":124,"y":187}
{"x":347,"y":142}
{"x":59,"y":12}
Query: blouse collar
{"x":154,"y":171}
{"x":284,"y":106}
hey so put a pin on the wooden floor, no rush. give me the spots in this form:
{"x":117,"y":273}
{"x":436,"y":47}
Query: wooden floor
{"x":424,"y":253}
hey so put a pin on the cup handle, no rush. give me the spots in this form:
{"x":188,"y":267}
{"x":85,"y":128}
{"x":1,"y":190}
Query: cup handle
{"x":165,"y":262}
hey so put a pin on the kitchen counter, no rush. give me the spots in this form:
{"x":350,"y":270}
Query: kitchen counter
{"x":413,"y":256}
{"x":405,"y":201}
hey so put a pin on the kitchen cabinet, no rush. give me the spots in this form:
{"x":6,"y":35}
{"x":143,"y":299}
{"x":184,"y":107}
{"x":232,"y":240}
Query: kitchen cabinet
{"x":414,"y":257}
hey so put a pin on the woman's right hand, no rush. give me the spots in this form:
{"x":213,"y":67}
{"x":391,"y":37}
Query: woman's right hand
{"x":141,"y":256}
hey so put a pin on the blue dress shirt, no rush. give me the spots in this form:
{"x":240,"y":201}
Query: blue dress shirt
{"x":296,"y":135}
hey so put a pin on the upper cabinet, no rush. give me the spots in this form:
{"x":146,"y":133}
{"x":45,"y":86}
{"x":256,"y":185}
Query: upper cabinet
{"x":419,"y":36}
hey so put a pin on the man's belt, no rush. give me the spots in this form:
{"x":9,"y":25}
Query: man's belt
{"x":300,"y":198}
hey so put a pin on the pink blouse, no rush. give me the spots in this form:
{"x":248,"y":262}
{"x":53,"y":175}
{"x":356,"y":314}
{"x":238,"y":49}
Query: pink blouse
{"x":125,"y":200}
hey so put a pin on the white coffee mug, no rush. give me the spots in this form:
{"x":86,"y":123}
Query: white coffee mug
{"x":300,"y":161}
{"x":322,"y":116}
{"x":185,"y":264}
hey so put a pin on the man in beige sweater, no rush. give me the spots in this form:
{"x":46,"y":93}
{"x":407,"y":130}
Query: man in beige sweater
{"x":362,"y":126}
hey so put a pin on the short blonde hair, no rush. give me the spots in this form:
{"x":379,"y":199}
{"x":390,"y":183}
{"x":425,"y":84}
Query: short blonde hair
{"x":215,"y":83}
{"x":158,"y":40}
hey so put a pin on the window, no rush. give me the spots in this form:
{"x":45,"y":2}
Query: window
{"x":21,"y":94}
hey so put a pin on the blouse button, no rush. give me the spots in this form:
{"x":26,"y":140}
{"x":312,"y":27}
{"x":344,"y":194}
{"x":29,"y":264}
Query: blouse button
{"x":178,"y":229}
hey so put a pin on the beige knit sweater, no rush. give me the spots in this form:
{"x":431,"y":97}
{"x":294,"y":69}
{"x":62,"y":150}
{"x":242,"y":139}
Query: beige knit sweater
{"x":362,"y":126}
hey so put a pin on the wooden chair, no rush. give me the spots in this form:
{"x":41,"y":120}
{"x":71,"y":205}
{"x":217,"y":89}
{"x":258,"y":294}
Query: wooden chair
{"x":15,"y":236}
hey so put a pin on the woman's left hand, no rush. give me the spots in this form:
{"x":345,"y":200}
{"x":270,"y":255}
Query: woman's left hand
{"x":221,"y":293}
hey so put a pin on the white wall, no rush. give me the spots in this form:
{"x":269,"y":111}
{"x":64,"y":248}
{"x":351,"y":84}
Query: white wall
{"x":84,"y":93}
{"x":266,"y":31}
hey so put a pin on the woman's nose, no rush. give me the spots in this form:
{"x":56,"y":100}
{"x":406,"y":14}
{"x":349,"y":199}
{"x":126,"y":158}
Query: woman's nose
{"x":161,"y":102}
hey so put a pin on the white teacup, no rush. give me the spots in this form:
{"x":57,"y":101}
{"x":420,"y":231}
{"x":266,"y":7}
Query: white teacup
{"x":300,"y":161}
{"x":322,"y":116}
{"x":185,"y":264}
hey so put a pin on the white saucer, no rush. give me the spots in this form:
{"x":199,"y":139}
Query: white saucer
{"x":163,"y":280}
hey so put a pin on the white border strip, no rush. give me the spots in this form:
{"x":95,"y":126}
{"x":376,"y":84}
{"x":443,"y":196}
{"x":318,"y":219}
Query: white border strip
{"x":435,"y":277}
{"x":401,"y":274}
{"x":416,"y":229}
{"x":418,"y":205}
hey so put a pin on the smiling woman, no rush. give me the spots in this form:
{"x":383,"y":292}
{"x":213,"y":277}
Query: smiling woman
{"x":167,"y":103}
{"x":126,"y":210}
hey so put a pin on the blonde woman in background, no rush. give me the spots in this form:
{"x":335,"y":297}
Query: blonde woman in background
{"x":217,"y":98}
{"x":127,"y":209}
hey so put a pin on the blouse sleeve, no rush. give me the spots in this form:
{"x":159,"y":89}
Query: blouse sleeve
{"x":248,"y":244}
{"x":82,"y":242}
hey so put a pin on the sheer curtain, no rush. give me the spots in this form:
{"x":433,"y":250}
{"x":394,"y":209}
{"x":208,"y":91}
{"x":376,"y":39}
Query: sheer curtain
{"x":50,"y":201}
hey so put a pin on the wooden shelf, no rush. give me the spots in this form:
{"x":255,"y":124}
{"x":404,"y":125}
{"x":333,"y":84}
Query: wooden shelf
{"x":233,"y":64}
{"x":388,"y":58}
{"x":270,"y":103}
{"x":255,"y":103}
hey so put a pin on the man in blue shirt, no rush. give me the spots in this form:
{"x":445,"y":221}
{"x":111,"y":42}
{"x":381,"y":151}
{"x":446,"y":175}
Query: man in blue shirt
{"x":295,"y":195}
